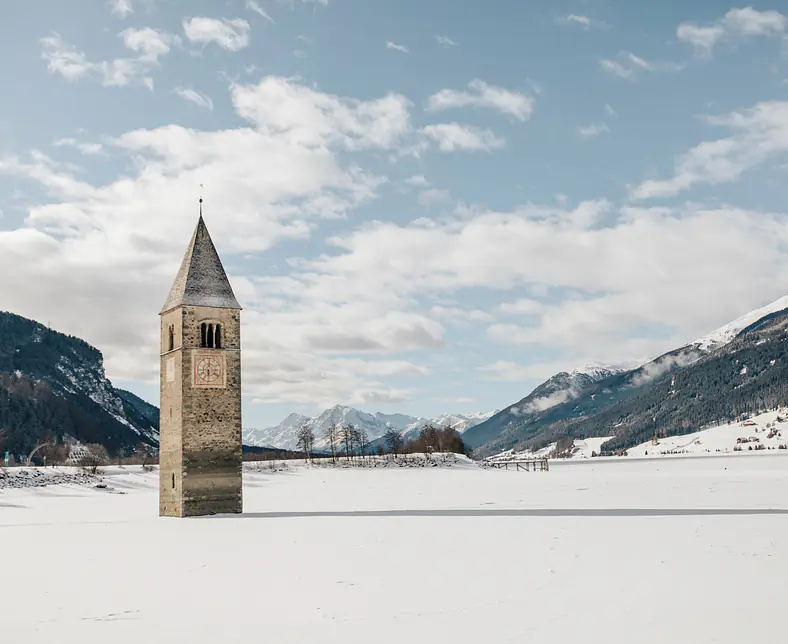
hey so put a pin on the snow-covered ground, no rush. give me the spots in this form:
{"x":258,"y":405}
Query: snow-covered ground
{"x":769,"y":430}
{"x":580,"y":450}
{"x":652,"y":551}
{"x":760,"y":434}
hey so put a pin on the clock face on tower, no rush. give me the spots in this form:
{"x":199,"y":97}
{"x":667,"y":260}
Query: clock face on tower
{"x":208,"y":370}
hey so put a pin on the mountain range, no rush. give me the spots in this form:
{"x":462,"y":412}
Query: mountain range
{"x":53,"y":385}
{"x":741,"y":368}
{"x":285,"y":434}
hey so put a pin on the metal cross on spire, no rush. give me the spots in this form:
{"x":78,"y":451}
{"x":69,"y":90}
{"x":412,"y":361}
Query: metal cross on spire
{"x":201,"y":188}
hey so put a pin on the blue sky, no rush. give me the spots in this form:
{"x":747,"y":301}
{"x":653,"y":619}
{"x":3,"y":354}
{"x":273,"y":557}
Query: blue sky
{"x":424,"y":207}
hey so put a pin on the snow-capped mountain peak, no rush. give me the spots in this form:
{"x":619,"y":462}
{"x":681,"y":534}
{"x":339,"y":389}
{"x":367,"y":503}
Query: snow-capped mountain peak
{"x":726,"y":333}
{"x":272,"y":436}
{"x":598,"y":371}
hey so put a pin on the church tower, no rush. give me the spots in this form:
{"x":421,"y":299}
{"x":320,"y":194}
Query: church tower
{"x":200,"y":444}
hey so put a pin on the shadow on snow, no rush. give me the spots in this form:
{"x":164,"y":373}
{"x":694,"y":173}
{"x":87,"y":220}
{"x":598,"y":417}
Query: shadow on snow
{"x":514,"y":512}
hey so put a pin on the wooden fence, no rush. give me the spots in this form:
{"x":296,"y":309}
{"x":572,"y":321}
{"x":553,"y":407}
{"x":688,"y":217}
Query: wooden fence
{"x":529,"y":465}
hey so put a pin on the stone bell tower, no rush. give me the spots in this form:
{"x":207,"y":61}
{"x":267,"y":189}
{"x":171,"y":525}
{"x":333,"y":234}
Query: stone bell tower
{"x":200,"y":444}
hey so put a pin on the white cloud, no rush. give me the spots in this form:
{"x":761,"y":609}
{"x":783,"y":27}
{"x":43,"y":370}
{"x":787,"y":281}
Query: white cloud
{"x":702,"y":38}
{"x":593,"y":130}
{"x":121,"y":8}
{"x":573,"y":19}
{"x":656,"y":368}
{"x":304,"y":116}
{"x":64,"y":59}
{"x":481,"y":94}
{"x":616,"y":68}
{"x":507,"y":371}
{"x":583,"y":22}
{"x":452,"y":137}
{"x":610,"y":111}
{"x":445,"y":41}
{"x":457,"y":314}
{"x":462,"y":400}
{"x":433,"y":196}
{"x":627,"y":65}
{"x":736,"y":25}
{"x":254,"y":6}
{"x":417,"y":180}
{"x":522,"y":306}
{"x":149,"y":45}
{"x":232,"y":35}
{"x":759,"y":134}
{"x":201,"y":100}
{"x":396,"y":47}
{"x":544,"y":403}
{"x":387,"y":397}
{"x":749,"y":22}
{"x":363,"y":299}
{"x":106,"y":244}
{"x":81,"y":146}
{"x":618,"y":281}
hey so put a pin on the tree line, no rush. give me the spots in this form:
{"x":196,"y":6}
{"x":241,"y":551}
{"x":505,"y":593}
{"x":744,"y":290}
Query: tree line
{"x":351,"y":442}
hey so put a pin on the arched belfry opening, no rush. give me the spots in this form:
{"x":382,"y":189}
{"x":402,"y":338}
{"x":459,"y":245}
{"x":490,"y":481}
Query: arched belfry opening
{"x":211,"y":335}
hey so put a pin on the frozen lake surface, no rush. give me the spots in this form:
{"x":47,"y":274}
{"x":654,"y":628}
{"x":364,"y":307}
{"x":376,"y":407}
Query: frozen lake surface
{"x":685,"y":550}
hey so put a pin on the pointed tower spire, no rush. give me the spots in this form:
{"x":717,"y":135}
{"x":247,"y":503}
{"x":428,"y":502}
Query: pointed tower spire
{"x":201,"y":280}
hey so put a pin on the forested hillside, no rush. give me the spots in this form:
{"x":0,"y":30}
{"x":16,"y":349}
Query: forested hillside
{"x":53,"y":386}
{"x":679,"y":392}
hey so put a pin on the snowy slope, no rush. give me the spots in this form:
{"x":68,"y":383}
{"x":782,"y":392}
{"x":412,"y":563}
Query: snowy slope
{"x":565,"y":386}
{"x":277,"y":436}
{"x":761,"y":434}
{"x":555,"y":392}
{"x":726,"y":333}
{"x":460,"y":422}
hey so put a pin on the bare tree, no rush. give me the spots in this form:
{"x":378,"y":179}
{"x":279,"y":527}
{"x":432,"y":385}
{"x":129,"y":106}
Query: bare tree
{"x":95,"y":456}
{"x":348,"y":438}
{"x":306,"y":439}
{"x":332,"y":436}
{"x":429,"y":439}
{"x":393,"y":440}
{"x":363,"y":441}
{"x":56,"y":454}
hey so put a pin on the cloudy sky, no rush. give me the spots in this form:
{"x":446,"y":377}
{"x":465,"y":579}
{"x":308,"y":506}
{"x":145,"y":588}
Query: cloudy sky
{"x":424,"y":206}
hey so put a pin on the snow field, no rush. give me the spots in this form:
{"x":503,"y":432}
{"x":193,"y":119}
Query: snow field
{"x":313,"y":559}
{"x":722,"y":438}
{"x":716,"y":440}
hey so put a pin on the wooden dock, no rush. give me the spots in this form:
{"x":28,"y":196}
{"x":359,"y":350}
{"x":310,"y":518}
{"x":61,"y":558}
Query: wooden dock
{"x":528,"y":465}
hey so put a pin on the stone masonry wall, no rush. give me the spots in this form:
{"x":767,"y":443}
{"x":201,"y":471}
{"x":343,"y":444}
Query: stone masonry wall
{"x":170,"y":420}
{"x":206,"y":420}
